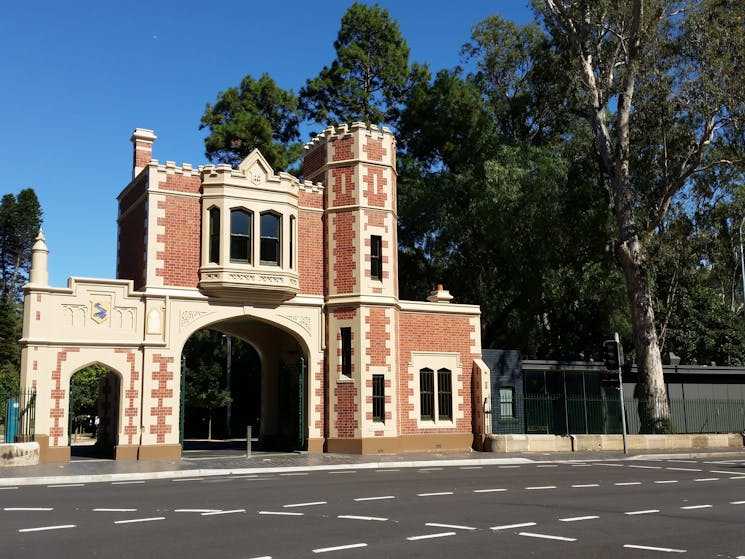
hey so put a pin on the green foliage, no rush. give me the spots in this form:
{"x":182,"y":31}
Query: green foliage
{"x":256,"y":115}
{"x":204,"y":356}
{"x":370,"y":76}
{"x":20,"y":219}
{"x":84,"y":390}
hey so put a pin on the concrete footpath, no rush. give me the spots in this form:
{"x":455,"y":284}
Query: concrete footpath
{"x":101,"y":470}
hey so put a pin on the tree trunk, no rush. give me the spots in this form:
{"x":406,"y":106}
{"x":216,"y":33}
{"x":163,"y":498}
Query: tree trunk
{"x":209,"y":427}
{"x":653,"y":403}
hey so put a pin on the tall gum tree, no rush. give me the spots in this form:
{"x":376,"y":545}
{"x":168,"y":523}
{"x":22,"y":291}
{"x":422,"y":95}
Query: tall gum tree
{"x":676,"y":66}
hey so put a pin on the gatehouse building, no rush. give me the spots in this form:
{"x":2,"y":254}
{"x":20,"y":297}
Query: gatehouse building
{"x":305,"y":271}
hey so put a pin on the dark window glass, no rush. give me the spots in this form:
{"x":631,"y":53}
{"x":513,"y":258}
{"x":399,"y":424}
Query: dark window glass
{"x":346,"y":351}
{"x":378,"y":398}
{"x":292,"y":241}
{"x":214,"y":241}
{"x":427,"y":394}
{"x":444,"y":394}
{"x":270,"y":230}
{"x":376,"y":257}
{"x":507,"y":402}
{"x":240,"y":236}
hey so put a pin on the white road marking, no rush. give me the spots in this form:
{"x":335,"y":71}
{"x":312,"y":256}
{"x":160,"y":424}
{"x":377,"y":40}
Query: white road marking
{"x":737,"y":502}
{"x":453,"y":526}
{"x":647,"y":467}
{"x":547,"y":466}
{"x":3,"y":488}
{"x":685,"y":469}
{"x":188,"y":479}
{"x":628,"y":483}
{"x":582,"y":465}
{"x":132,"y":521}
{"x":216,"y":512}
{"x":547,"y":537}
{"x":295,"y":474}
{"x":729,"y":473}
{"x":27,"y":508}
{"x":488,"y":490}
{"x":262,"y":557}
{"x":587,"y":485}
{"x":434,"y":494}
{"x":388,"y":470}
{"x":578,"y":518}
{"x":126,"y":482}
{"x":541,"y":487}
{"x":313,"y":504}
{"x":707,"y":479}
{"x":720,"y":462}
{"x":667,"y":481}
{"x":375,"y":498}
{"x":353,"y":517}
{"x":614,"y":465}
{"x":339,"y":547}
{"x":738,"y":477}
{"x":429,"y":536}
{"x":60,"y":527}
{"x":195,"y":510}
{"x":508,"y":467}
{"x":471,"y":468}
{"x":429,"y":469}
{"x":509,"y":526}
{"x":650,"y":511}
{"x":281,"y":513}
{"x":648,"y":548}
{"x":115,"y":510}
{"x":691,"y":507}
{"x":244,"y":477}
{"x":685,"y":461}
{"x":67,"y":485}
{"x":343,"y":472}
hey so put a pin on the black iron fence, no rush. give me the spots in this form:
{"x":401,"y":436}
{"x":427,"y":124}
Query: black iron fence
{"x":18,"y":416}
{"x":559,"y":415}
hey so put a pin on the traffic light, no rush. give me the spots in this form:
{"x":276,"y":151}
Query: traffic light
{"x":612,"y":355}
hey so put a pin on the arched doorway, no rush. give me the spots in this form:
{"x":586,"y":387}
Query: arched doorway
{"x":94,"y":412}
{"x":241,"y":373}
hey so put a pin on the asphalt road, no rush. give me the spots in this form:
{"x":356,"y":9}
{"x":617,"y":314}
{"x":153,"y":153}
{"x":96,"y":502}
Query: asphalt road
{"x":624,"y":509}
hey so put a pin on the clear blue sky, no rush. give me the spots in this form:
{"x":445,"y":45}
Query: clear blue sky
{"x":78,"y":77}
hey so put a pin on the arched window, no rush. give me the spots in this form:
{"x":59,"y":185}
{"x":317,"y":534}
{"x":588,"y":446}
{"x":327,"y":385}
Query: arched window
{"x":240,"y":236}
{"x":214,"y":240}
{"x":271,"y":229}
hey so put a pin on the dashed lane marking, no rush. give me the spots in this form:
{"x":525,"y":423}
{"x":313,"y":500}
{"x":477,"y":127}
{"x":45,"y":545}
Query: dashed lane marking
{"x":280,"y":513}
{"x":43,"y":528}
{"x":647,"y":467}
{"x":386,"y":470}
{"x":578,"y":518}
{"x":188,"y":479}
{"x":127,"y":482}
{"x":343,"y":472}
{"x":606,"y":464}
{"x":196,"y":510}
{"x":313,"y":504}
{"x":135,"y":520}
{"x":216,"y":512}
{"x":451,"y":526}
{"x":649,"y":548}
{"x":667,"y":481}
{"x":707,"y":479}
{"x":628,"y":483}
{"x":295,"y":474}
{"x":354,"y":517}
{"x":510,"y":526}
{"x":684,"y":461}
{"x":489,"y":490}
{"x":66,"y":485}
{"x":547,"y":537}
{"x":539,"y":487}
{"x":115,"y":510}
{"x":737,"y":502}
{"x":439,"y":493}
{"x":582,"y":465}
{"x":691,"y":507}
{"x":375,"y":498}
{"x":728,"y":473}
{"x":339,"y":547}
{"x":547,"y":466}
{"x":684,"y":469}
{"x":27,"y":508}
{"x":429,"y":469}
{"x":586,"y":485}
{"x":504,"y":467}
{"x":430,"y":536}
{"x":635,"y":512}
{"x":3,"y":488}
{"x":471,"y":468}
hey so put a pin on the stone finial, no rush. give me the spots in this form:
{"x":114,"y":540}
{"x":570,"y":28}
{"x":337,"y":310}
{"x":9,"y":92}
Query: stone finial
{"x":143,"y":139}
{"x":39,"y":274}
{"x":439,"y":295}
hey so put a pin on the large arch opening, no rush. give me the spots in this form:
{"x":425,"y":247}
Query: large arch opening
{"x":93,"y":417}
{"x":238,"y":374}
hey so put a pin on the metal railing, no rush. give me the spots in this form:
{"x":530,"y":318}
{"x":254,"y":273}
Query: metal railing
{"x":556,"y":414}
{"x":18,"y":417}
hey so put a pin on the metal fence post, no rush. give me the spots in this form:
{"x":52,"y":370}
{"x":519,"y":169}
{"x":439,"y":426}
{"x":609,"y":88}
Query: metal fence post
{"x":248,"y":441}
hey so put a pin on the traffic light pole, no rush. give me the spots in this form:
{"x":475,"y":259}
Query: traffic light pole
{"x":620,"y":388}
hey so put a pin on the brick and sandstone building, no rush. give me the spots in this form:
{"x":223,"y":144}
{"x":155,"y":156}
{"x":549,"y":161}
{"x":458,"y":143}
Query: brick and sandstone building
{"x":304,"y":271}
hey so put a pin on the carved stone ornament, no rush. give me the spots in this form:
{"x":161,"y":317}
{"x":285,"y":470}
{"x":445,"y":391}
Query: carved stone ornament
{"x":188,"y":317}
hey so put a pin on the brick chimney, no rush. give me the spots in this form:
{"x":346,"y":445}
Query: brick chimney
{"x":143,"y":149}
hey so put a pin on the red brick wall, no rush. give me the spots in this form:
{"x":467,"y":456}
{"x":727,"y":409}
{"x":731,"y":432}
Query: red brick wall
{"x":314,"y":160}
{"x":345,"y":394}
{"x":438,"y":333}
{"x":130,"y":397}
{"x":161,"y":376}
{"x":374,"y":149}
{"x":130,"y":262}
{"x":342,"y":148}
{"x":375,"y":196}
{"x":179,"y":262}
{"x":377,"y":344}
{"x":343,"y":189}
{"x":60,"y":404}
{"x":311,"y":248}
{"x":344,"y":252}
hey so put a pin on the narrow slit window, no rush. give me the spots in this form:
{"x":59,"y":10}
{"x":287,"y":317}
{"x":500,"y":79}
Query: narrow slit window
{"x":378,"y":398}
{"x":292,"y":241}
{"x":214,"y":239}
{"x":444,"y":394}
{"x":427,"y":394}
{"x":376,"y":257}
{"x":346,"y":351}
